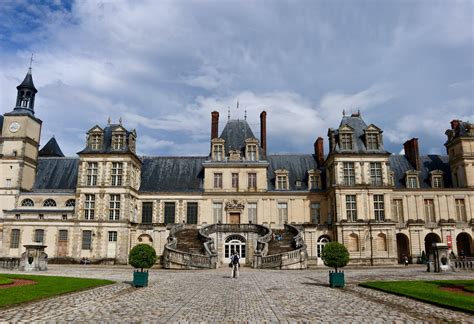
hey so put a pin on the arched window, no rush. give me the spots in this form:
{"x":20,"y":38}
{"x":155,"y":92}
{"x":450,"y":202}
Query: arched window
{"x":233,"y":243}
{"x":322,"y":241}
{"x":353,"y":242}
{"x":71,"y":203}
{"x":49,"y":203}
{"x":27,"y":203}
{"x":381,"y":243}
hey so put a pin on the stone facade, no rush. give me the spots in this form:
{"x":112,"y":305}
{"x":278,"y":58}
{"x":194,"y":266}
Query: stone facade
{"x":103,"y":202}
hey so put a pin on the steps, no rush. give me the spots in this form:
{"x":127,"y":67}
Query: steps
{"x":187,"y":241}
{"x":285,"y":245}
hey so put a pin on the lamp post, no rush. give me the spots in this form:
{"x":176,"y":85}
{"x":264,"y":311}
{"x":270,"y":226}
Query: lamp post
{"x":371,"y":247}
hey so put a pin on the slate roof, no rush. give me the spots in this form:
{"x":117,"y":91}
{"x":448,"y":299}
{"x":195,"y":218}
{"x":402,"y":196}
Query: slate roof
{"x":297,"y":166}
{"x":172,"y":174}
{"x":359,"y":126}
{"x":400,"y":164}
{"x":28,"y":82}
{"x":56,"y":173}
{"x":235,"y":133}
{"x":107,"y":142}
{"x":51,"y":149}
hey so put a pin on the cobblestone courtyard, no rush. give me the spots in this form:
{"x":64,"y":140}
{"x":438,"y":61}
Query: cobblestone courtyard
{"x":258,"y":295}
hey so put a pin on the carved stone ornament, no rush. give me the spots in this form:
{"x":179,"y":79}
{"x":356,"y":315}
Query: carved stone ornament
{"x":234,"y":204}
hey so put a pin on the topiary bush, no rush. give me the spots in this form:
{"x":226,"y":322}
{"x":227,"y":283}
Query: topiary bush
{"x":335,"y":255}
{"x":142,"y":256}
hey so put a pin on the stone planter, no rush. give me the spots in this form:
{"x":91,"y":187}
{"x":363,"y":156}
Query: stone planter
{"x":140,"y":279}
{"x":336,"y":279}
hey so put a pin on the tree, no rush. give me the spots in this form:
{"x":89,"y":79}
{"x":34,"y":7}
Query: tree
{"x":142,"y":256}
{"x":335,"y":255}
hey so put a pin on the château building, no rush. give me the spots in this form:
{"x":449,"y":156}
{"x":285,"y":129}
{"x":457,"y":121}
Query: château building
{"x":102,"y":202}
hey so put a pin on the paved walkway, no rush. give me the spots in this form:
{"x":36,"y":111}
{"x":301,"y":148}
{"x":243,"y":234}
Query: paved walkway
{"x":257,"y":296}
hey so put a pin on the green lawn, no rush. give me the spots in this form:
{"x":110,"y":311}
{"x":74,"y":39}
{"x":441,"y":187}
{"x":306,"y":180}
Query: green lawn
{"x":46,"y":286}
{"x":5,"y":281}
{"x":429,"y":291}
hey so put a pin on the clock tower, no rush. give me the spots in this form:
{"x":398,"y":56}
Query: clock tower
{"x":19,"y":142}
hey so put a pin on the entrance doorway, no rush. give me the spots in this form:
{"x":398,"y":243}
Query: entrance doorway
{"x":403,"y":247}
{"x":62,"y":243}
{"x":236,"y":243}
{"x":234,"y":218}
{"x":429,"y":240}
{"x":112,"y":245}
{"x":322,"y":241}
{"x":463,"y":243}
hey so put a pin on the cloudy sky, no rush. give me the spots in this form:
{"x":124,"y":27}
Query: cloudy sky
{"x":163,"y":66}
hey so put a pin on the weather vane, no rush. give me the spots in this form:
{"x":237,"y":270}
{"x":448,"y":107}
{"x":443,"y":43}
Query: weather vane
{"x":31,"y":60}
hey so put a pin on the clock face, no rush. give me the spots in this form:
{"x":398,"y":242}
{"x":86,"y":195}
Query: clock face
{"x":14,"y":127}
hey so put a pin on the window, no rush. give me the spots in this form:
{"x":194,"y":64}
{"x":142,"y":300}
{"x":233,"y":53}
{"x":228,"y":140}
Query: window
{"x":39,"y":236}
{"x":397,"y":210}
{"x":8,"y":183}
{"x":437,"y":181}
{"x":379,"y":208}
{"x":89,"y":207}
{"x":218,"y":152}
{"x":217,"y":212}
{"x":461,"y":210}
{"x":27,"y":203}
{"x":376,"y":173}
{"x":283,"y":213}
{"x":15,"y":239}
{"x":18,"y":216}
{"x":64,"y":217}
{"x":315,"y":213}
{"x":351,"y":208}
{"x":372,"y":141}
{"x":412,"y":182}
{"x":118,"y":141}
{"x":192,"y":212}
{"x":235,"y":180}
{"x":298,"y":184}
{"x":71,"y":203}
{"x":92,"y":170}
{"x":87,"y":240}
{"x":147,"y":212}
{"x":218,"y":180}
{"x":113,"y":236}
{"x":62,"y":235}
{"x":96,"y":142}
{"x":49,"y":203}
{"x":429,"y":211}
{"x":114,"y":207}
{"x":41,"y":216}
{"x":117,"y":173}
{"x":170,"y":213}
{"x":348,"y":173}
{"x":346,"y":141}
{"x":252,"y":211}
{"x":314,"y":182}
{"x":282,"y":182}
{"x":252,"y":181}
{"x":252,"y":152}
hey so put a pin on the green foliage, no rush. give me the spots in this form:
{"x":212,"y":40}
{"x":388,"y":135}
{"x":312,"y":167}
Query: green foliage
{"x":5,"y":281}
{"x":335,"y":255}
{"x":45,"y":286}
{"x":429,"y":291}
{"x":142,"y":256}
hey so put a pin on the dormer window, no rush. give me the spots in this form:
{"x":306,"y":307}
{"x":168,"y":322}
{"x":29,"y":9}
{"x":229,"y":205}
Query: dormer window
{"x":251,"y":150}
{"x":118,"y":141}
{"x":218,"y":152}
{"x":95,"y":142}
{"x":281,"y":180}
{"x":314,"y":179}
{"x":252,"y":154}
{"x":412,"y":180}
{"x":298,"y":184}
{"x":436,"y":179}
{"x":132,"y":141}
{"x":346,"y":141}
{"x":372,"y":141}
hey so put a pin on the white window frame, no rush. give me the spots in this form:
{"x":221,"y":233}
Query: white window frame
{"x":351,"y":208}
{"x":218,"y":180}
{"x":252,"y":181}
{"x":252,"y":212}
{"x":114,"y":207}
{"x":282,"y":212}
{"x":346,"y":141}
{"x":461,"y":215}
{"x":217,"y":212}
{"x":348,"y":171}
{"x":117,"y":173}
{"x":379,"y":208}
{"x":315,"y":210}
{"x":376,"y":173}
{"x":89,"y":207}
{"x":430,"y":216}
{"x":397,"y":210}
{"x":92,"y":172}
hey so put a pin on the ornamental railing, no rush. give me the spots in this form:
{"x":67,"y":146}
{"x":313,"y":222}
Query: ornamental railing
{"x":464,"y":264}
{"x":10,"y":263}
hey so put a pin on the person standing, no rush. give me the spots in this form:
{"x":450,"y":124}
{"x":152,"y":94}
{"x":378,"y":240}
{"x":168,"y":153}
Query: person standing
{"x":234,"y":260}
{"x":405,"y":260}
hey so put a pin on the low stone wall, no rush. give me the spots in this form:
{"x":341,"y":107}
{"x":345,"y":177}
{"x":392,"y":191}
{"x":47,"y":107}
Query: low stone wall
{"x":10,"y":263}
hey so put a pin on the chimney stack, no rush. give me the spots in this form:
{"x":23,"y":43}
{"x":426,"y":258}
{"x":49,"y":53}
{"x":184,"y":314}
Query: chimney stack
{"x":319,"y":151}
{"x":263,"y":133}
{"x":412,"y":152}
{"x":455,"y":124}
{"x":214,"y":125}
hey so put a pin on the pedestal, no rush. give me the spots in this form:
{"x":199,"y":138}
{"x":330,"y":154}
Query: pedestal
{"x":34,"y":258}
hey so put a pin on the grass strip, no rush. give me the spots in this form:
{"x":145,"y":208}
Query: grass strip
{"x":5,"y":281}
{"x":46,"y":286}
{"x":429,"y":291}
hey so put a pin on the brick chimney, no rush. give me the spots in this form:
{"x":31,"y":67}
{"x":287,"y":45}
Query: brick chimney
{"x":455,"y":124}
{"x":263,"y":133}
{"x":319,"y":151}
{"x":412,"y":152}
{"x":214,"y":125}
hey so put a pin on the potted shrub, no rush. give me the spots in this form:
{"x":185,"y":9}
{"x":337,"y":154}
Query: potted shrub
{"x":335,"y":255}
{"x":142,"y":256}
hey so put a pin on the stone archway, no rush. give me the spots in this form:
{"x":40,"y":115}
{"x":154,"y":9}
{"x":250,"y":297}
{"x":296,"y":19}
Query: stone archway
{"x":463,"y":243}
{"x":403,"y":247}
{"x":429,"y":240}
{"x":322,"y":241}
{"x":235,"y":243}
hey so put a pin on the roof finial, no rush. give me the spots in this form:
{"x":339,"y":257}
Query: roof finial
{"x":120,"y":120}
{"x":228,"y":112}
{"x":109,"y":121}
{"x":237,"y":103}
{"x":343,"y":112}
{"x":31,"y":62}
{"x":245,"y":115}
